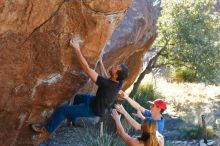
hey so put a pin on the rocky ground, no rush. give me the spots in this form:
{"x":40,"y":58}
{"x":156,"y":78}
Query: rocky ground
{"x":66,"y":136}
{"x":187,"y":102}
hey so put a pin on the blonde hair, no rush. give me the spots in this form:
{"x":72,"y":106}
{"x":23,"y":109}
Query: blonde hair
{"x":149,"y":128}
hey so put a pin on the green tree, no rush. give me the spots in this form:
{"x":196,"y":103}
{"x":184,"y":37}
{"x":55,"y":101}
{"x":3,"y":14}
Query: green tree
{"x":189,"y":37}
{"x":191,"y":29}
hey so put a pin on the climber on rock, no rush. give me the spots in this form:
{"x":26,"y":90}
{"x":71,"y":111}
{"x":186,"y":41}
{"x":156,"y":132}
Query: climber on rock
{"x":86,"y":105}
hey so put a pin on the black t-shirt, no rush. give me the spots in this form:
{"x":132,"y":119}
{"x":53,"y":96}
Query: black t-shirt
{"x":105,"y":95}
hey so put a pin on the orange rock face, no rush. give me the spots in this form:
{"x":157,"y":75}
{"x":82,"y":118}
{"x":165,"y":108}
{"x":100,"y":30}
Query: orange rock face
{"x":131,"y":40}
{"x":38,"y":69}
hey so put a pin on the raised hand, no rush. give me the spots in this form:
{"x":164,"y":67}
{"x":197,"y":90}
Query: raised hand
{"x":120,"y":108}
{"x":122,"y":94}
{"x":74,"y":44}
{"x":115,"y":115}
{"x":138,"y":115}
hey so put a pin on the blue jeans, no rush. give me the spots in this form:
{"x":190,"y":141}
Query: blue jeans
{"x":81,"y":108}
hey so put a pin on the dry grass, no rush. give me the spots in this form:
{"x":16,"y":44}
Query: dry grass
{"x":185,"y":98}
{"x":189,"y":100}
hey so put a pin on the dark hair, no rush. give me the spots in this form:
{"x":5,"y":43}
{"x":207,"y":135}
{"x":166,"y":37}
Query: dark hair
{"x":161,"y":111}
{"x":123,"y":73}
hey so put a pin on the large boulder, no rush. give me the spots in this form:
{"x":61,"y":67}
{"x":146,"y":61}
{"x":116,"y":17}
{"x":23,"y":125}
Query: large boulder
{"x":131,"y":40}
{"x":38,"y":68}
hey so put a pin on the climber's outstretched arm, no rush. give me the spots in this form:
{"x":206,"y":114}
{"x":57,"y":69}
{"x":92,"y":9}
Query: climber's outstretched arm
{"x":85,"y":66}
{"x":103,"y":70}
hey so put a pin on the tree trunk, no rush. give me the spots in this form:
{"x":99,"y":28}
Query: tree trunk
{"x":147,"y":70}
{"x":138,"y":82}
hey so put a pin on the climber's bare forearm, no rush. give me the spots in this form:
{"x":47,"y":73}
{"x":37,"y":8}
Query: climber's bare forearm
{"x":85,"y":66}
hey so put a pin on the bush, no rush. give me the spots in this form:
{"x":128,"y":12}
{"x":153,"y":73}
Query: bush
{"x":183,"y":75}
{"x":144,"y":93}
{"x":92,"y":138}
{"x":168,"y":143}
{"x":197,"y":132}
{"x":210,"y":131}
{"x":193,"y":132}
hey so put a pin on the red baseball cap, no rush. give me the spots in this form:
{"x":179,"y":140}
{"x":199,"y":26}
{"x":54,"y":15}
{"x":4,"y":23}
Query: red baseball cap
{"x":160,"y":103}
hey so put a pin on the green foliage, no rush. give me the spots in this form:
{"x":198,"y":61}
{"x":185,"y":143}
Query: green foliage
{"x":210,"y":131}
{"x":93,"y":138}
{"x":144,"y":93}
{"x":197,"y":132}
{"x":193,"y":132}
{"x":168,"y":143}
{"x":191,"y":29}
{"x":183,"y":74}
